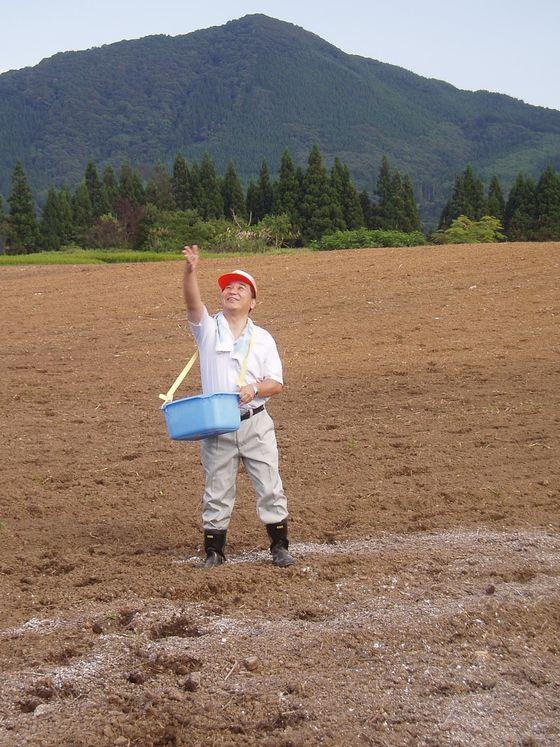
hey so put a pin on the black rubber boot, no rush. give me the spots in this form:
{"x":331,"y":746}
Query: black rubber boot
{"x":214,"y":544}
{"x":278,"y":535}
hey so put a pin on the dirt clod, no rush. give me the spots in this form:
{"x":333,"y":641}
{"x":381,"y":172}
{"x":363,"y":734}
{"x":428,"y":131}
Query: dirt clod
{"x":251,"y":663}
{"x":28,"y":705}
{"x":137,"y":677}
{"x":175,"y":694}
{"x":42,"y":709}
{"x":193,"y":681}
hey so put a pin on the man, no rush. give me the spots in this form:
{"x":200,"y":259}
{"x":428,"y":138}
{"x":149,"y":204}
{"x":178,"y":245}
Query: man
{"x":228,"y":344}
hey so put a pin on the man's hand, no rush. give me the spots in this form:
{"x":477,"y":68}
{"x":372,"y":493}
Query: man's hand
{"x":267,"y":388}
{"x":190,"y":253}
{"x":246,"y":394}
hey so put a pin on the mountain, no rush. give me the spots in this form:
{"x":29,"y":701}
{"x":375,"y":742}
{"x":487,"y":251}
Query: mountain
{"x":249,"y":89}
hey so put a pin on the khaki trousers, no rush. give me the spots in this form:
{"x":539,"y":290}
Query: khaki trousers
{"x":255,"y":444}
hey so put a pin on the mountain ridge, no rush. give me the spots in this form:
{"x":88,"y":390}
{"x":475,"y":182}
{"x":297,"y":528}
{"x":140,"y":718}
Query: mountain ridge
{"x":247,"y":90}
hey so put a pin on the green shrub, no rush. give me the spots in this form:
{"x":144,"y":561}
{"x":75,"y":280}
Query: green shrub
{"x":105,"y":233}
{"x":169,"y":231}
{"x":463,"y":230}
{"x":273,"y":232}
{"x":237,"y":239}
{"x":362,"y":238}
{"x":277,"y":231}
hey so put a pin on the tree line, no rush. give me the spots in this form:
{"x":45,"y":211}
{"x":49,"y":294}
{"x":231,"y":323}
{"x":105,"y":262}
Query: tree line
{"x":530,"y":213}
{"x":119,"y":209}
{"x":123,"y":210}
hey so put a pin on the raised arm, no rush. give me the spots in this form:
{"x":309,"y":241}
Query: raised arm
{"x":191,"y":292}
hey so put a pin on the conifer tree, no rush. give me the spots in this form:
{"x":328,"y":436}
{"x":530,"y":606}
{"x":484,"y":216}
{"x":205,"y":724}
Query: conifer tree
{"x":130,"y":185}
{"x":95,"y":190}
{"x":22,"y":222}
{"x":474,"y":194}
{"x":547,"y":226}
{"x":445,"y":219}
{"x":383,"y":190}
{"x":300,"y":176}
{"x":50,"y":228}
{"x":320,"y":212}
{"x":197,"y":193}
{"x":65,"y":214}
{"x":365,"y":202}
{"x":381,"y":211}
{"x":212,"y":203}
{"x":495,"y":202}
{"x":467,"y":199}
{"x":411,"y":216}
{"x":395,"y":208}
{"x":82,"y":213}
{"x":347,"y":196}
{"x":181,"y":183}
{"x":388,"y":214}
{"x":265,"y":196}
{"x":252,"y":201}
{"x":232,"y":194}
{"x":159,"y":189}
{"x":520,"y":210}
{"x":110,"y":187}
{"x":287,"y":189}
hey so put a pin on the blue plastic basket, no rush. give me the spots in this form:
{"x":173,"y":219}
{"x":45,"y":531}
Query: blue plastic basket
{"x":194,"y":418}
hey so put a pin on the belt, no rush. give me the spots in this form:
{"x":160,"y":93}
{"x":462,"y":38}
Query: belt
{"x":250,"y":413}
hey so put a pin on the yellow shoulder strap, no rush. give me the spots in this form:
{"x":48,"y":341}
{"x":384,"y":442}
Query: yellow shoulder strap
{"x":178,"y":381}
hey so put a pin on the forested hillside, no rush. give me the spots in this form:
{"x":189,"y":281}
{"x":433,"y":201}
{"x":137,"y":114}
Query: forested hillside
{"x":248,"y":90}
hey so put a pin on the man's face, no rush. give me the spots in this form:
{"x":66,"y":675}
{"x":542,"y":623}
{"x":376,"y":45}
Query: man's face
{"x":237,"y":296}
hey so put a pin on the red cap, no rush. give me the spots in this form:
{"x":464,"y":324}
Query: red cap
{"x":239,"y":276}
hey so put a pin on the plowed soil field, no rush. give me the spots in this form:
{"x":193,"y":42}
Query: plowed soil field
{"x":418,"y":432}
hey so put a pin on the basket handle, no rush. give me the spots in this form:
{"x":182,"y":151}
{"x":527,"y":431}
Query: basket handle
{"x":167,"y":398}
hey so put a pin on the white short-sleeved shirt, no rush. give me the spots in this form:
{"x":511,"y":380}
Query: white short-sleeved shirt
{"x":221,"y":357}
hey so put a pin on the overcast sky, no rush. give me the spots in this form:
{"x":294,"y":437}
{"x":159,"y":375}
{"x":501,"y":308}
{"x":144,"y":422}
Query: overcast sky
{"x":508,"y":46}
